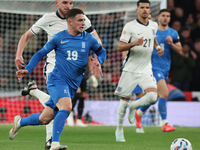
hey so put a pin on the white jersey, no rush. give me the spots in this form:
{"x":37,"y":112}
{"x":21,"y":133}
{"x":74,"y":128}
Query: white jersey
{"x":138,"y":58}
{"x":53,"y":23}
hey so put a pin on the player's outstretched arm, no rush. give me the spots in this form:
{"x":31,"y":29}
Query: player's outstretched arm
{"x":21,"y":73}
{"x":19,"y":61}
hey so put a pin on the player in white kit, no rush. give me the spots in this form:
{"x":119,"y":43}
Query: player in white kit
{"x":138,"y":38}
{"x":51,"y":23}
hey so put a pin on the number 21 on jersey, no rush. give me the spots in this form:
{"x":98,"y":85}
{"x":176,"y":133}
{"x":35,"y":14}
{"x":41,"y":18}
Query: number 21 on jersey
{"x":147,"y":42}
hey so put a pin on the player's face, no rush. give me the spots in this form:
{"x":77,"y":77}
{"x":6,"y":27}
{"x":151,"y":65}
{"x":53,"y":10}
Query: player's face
{"x":78,"y":23}
{"x":64,"y":6}
{"x":143,"y":10}
{"x":150,"y":17}
{"x":164,"y":18}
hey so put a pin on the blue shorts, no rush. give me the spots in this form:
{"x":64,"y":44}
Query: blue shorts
{"x":137,"y":90}
{"x":160,"y":75}
{"x":58,"y":88}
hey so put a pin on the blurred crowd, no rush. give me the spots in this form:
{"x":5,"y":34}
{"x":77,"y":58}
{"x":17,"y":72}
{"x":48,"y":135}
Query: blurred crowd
{"x":185,"y":69}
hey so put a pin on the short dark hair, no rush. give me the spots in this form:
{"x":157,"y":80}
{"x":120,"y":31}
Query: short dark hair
{"x":143,"y":1}
{"x":163,"y":10}
{"x":73,"y":12}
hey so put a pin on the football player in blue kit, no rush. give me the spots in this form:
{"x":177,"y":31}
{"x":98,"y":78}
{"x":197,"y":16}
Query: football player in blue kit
{"x":72,"y":51}
{"x":168,"y":40}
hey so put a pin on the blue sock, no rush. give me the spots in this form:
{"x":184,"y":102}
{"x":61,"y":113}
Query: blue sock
{"x":31,"y":120}
{"x":162,"y":108}
{"x":58,"y":124}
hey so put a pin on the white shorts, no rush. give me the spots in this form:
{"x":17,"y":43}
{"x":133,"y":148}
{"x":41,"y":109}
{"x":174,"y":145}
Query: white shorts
{"x":129,"y":80}
{"x":48,"y":68}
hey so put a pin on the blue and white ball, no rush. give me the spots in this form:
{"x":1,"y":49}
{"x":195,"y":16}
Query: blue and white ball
{"x":181,"y":144}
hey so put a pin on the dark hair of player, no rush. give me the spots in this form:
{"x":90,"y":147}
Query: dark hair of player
{"x":73,"y":12}
{"x":143,"y":1}
{"x":163,"y":10}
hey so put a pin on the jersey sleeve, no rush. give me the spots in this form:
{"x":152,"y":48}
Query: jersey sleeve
{"x":39,"y":25}
{"x":175,"y":37}
{"x":49,"y":46}
{"x":88,"y":26}
{"x":98,"y":49}
{"x":156,"y":28}
{"x":126,"y":35}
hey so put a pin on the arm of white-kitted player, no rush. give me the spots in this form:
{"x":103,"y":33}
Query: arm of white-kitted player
{"x":32,"y":64}
{"x":49,"y":46}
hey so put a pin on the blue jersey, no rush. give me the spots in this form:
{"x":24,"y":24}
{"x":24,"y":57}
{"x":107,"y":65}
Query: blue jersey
{"x":163,"y":63}
{"x":71,"y":55}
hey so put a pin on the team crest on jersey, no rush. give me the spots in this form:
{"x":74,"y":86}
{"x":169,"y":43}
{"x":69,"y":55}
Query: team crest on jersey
{"x":83,"y":44}
{"x":154,"y":32}
{"x":83,"y":47}
{"x":119,"y":89}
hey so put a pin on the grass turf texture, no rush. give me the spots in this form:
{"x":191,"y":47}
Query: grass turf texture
{"x":99,"y":138}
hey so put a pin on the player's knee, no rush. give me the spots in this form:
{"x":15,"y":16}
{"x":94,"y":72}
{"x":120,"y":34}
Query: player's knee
{"x":164,"y":95}
{"x":152,"y":97}
{"x":44,"y":121}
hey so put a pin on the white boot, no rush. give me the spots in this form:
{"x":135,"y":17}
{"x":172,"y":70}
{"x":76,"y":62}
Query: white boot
{"x":80,"y":123}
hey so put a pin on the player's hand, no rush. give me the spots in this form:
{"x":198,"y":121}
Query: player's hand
{"x":94,"y":67}
{"x":169,"y":40}
{"x":21,"y":73}
{"x":160,"y":51}
{"x":97,"y":71}
{"x":19,"y":62}
{"x":139,"y":41}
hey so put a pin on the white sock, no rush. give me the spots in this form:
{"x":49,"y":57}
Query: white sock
{"x":164,"y":122}
{"x":140,"y":113}
{"x":55,"y":143}
{"x":121,"y":111}
{"x":148,"y":98}
{"x":49,"y":130}
{"x":42,"y":96}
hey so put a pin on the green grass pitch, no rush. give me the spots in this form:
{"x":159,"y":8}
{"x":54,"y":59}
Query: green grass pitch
{"x":99,"y":138}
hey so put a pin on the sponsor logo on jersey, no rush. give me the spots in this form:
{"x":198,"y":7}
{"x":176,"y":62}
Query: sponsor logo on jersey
{"x":50,"y":25}
{"x":62,"y":42}
{"x":82,"y":50}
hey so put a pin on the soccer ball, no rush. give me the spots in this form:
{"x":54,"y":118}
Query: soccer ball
{"x":181,"y":144}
